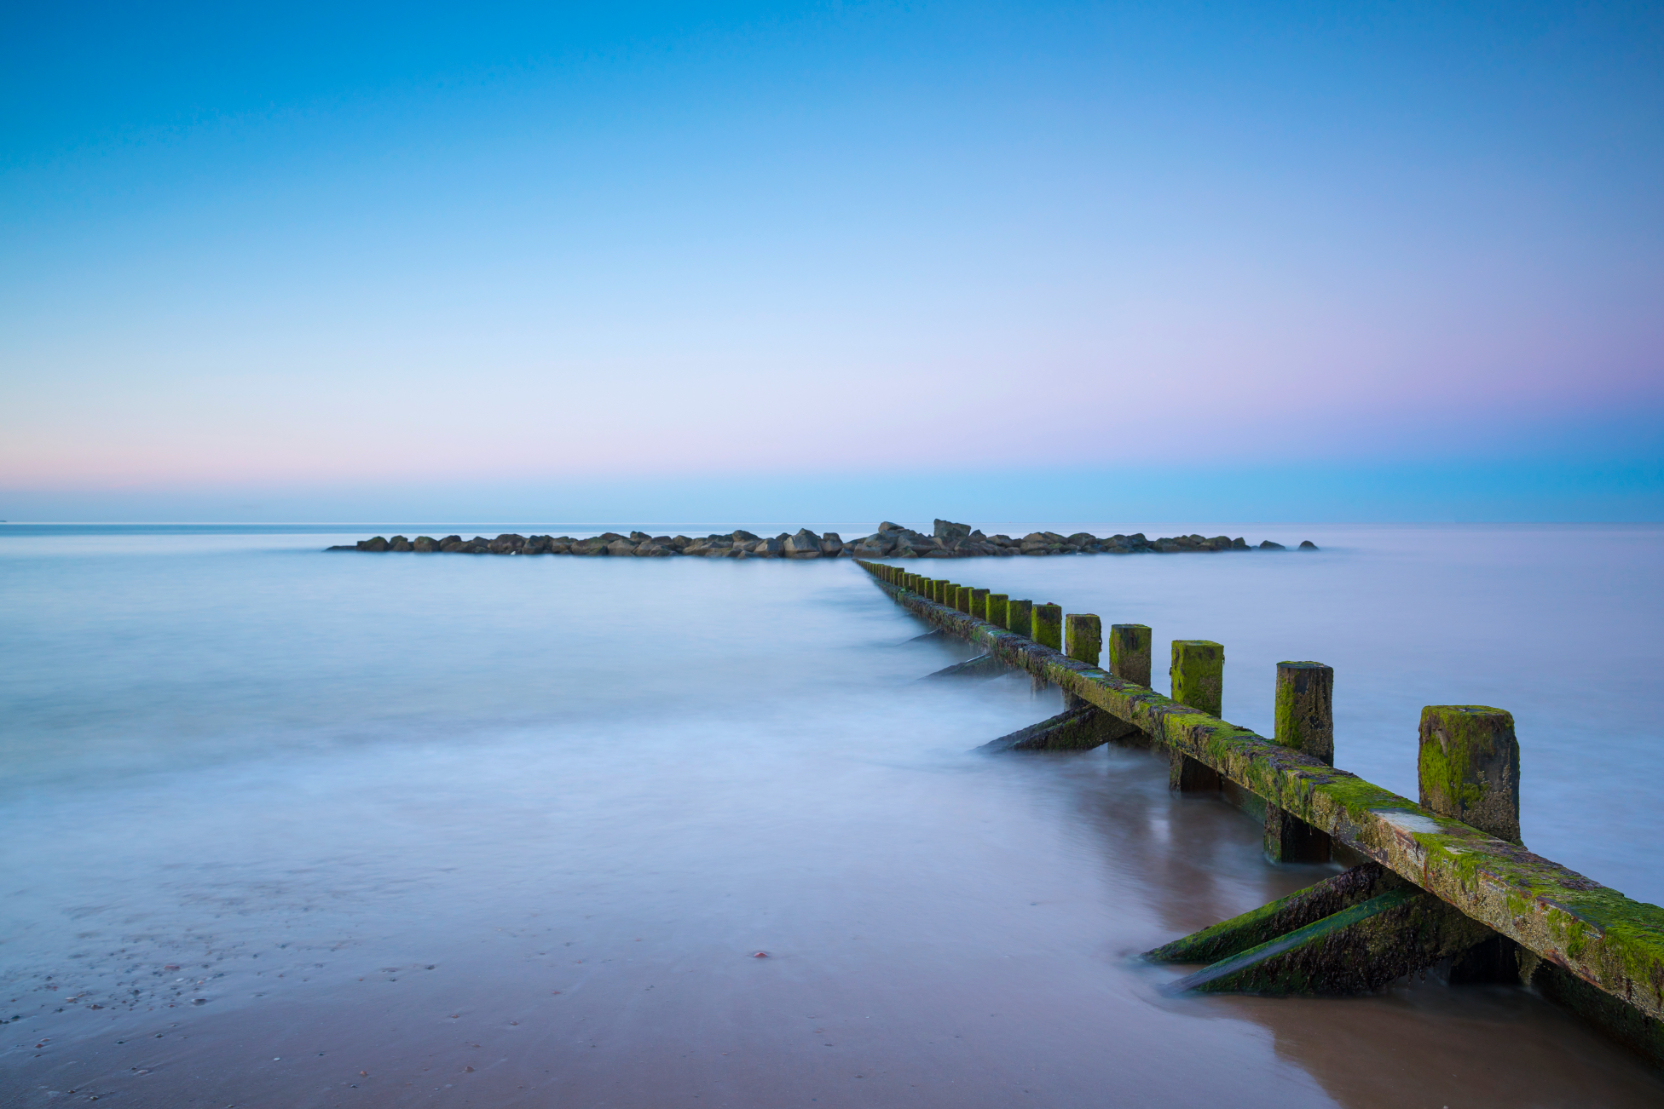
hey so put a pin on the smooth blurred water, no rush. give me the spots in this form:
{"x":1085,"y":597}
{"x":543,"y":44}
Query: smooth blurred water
{"x":411,"y":815}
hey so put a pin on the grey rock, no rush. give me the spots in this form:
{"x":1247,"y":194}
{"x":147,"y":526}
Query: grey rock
{"x":621,"y":546}
{"x":744,"y":537}
{"x":1268,"y":545}
{"x":590,"y":547}
{"x":887,"y":526}
{"x":651,"y":549}
{"x":805,"y":544}
{"x":831,"y":545}
{"x":1307,"y":545}
{"x":947,"y":529}
{"x":378,"y":543}
{"x":424,"y":544}
{"x":398,"y":543}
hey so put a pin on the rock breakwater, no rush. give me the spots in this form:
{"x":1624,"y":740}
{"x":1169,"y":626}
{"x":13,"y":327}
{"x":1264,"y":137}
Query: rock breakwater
{"x":948,"y":540}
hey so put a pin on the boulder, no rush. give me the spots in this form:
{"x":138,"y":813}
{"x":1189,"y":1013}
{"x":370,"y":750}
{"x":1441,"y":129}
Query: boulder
{"x":1239,"y":544}
{"x":681,"y":542}
{"x":451,"y":545}
{"x":947,"y":529}
{"x":398,"y":543}
{"x":610,"y":536}
{"x":1307,"y":545}
{"x":768,"y":548}
{"x":887,"y":526}
{"x":744,"y":537}
{"x":535,"y":544}
{"x":424,"y":544}
{"x":639,"y":537}
{"x":559,"y":546}
{"x":1268,"y":545}
{"x":831,"y":544}
{"x":621,"y":546}
{"x":904,"y":551}
{"x":591,"y":547}
{"x":650,"y":549}
{"x":378,"y":543}
{"x":507,"y":543}
{"x":805,"y":544}
{"x":1082,"y":539}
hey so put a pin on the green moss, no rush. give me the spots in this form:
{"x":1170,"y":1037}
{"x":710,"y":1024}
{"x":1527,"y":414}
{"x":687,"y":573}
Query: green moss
{"x":1047,"y":624}
{"x":1197,"y":674}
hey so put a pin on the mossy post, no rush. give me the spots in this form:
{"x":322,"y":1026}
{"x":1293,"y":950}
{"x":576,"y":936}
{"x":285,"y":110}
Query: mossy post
{"x":1129,"y":653}
{"x":1085,"y":637}
{"x":979,"y":603}
{"x":997,"y":604}
{"x":1019,"y":617}
{"x":962,"y":599}
{"x":1305,"y":720}
{"x":940,"y":593}
{"x":1047,"y":623}
{"x":1469,"y":767}
{"x":1197,"y":674}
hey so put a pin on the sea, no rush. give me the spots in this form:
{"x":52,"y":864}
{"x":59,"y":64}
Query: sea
{"x":288,"y":827}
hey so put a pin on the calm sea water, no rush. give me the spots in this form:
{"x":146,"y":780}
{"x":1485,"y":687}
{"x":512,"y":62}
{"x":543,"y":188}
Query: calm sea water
{"x":280,"y":827}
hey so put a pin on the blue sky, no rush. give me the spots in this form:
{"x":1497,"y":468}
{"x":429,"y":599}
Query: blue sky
{"x":402,"y":260}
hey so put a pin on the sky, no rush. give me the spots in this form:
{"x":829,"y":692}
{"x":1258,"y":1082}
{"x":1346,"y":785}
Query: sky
{"x":555,"y":262}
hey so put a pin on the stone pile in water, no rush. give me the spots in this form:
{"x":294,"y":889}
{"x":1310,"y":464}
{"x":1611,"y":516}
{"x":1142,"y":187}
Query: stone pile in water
{"x":949,"y":540}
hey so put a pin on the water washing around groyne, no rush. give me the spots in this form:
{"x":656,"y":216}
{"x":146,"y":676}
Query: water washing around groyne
{"x":285,"y":828}
{"x":947,"y":540}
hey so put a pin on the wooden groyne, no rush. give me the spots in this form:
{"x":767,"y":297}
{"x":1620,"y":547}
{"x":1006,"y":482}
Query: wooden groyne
{"x":949,"y":540}
{"x":1445,"y":882}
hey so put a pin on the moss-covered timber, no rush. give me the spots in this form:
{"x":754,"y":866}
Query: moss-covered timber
{"x":1075,"y":729}
{"x":1085,"y":637}
{"x":979,"y":603}
{"x":1019,"y":617}
{"x":1047,"y":624}
{"x":1304,"y":709}
{"x":997,"y":605}
{"x":1360,"y":948}
{"x":1266,"y":923}
{"x":1597,"y":934}
{"x":1468,"y":767}
{"x":1129,"y":652}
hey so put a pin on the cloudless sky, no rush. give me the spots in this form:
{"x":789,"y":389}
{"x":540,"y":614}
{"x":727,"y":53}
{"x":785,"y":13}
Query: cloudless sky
{"x":551,"y":260}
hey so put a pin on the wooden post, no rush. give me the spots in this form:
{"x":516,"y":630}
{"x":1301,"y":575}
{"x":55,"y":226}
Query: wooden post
{"x":1305,"y":709}
{"x":1048,"y":626}
{"x":962,"y":599}
{"x":1305,"y":719}
{"x":979,"y":603}
{"x":1469,"y":767}
{"x":940,"y":595}
{"x":1086,"y":637}
{"x":1197,"y":674}
{"x":1129,"y":653}
{"x":997,"y":603}
{"x":1019,"y":617}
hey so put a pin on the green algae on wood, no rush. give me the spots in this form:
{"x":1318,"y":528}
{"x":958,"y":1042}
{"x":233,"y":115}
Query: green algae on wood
{"x":1266,"y":923}
{"x":1359,"y":949}
{"x":1468,"y":767}
{"x":1019,"y":617}
{"x":1085,"y":637}
{"x":1047,"y":623}
{"x":997,"y":603}
{"x":1197,"y":674}
{"x":1129,"y":652}
{"x":1304,"y":717}
{"x":979,"y":603}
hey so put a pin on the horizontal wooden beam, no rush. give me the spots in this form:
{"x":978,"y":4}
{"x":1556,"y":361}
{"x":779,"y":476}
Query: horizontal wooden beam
{"x":1597,"y":934}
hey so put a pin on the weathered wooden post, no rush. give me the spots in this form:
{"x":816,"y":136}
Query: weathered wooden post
{"x":1129,"y":652}
{"x":940,"y":596}
{"x":997,"y":603}
{"x":1469,"y":767}
{"x":1048,"y":626}
{"x":1305,"y":720}
{"x":1197,"y":674}
{"x":1084,"y":642}
{"x":962,"y":600}
{"x":1086,"y":637}
{"x":1019,"y":617}
{"x":979,"y":603}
